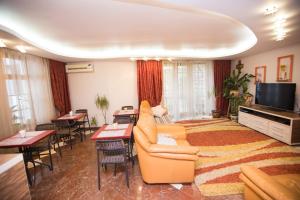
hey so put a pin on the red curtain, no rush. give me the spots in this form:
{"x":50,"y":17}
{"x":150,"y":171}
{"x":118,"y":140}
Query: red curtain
{"x":222,"y":70}
{"x":60,"y":88}
{"x":149,"y":80}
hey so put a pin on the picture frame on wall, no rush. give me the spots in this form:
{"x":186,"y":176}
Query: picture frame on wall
{"x":260,"y":74}
{"x":285,"y":68}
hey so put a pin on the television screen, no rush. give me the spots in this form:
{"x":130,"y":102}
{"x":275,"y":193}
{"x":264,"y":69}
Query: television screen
{"x":277,"y":95}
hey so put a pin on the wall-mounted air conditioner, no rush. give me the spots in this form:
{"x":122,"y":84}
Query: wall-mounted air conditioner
{"x":76,"y":68}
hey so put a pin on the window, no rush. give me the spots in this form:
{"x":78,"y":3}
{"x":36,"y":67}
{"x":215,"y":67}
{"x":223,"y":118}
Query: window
{"x":25,"y":91}
{"x":187,"y":89}
{"x":18,"y":92}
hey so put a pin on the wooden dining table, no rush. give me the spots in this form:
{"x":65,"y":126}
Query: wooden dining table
{"x":23,"y":143}
{"x":75,"y":116}
{"x":131,"y":114}
{"x":113,"y":132}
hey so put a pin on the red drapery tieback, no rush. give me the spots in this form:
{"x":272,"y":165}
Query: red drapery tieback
{"x":149,"y":81}
{"x":59,"y":85}
{"x":222,"y":70}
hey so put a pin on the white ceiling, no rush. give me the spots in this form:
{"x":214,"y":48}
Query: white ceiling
{"x":97,"y":29}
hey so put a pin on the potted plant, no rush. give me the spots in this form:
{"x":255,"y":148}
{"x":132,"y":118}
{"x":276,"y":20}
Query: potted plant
{"x":102,"y":103}
{"x":248,"y":99}
{"x":236,"y":89}
{"x":94,"y":122}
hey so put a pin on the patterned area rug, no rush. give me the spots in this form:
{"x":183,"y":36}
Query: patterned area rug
{"x":225,"y":146}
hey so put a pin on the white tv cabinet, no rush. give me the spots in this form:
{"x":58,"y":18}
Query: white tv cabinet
{"x":281,"y":125}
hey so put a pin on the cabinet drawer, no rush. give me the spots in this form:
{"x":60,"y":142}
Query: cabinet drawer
{"x":260,"y":124}
{"x":243,"y":118}
{"x":280,"y":131}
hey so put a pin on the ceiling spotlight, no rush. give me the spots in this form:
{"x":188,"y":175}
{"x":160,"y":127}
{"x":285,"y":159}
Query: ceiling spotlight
{"x":279,"y":38}
{"x":280,"y":19}
{"x":2,"y":44}
{"x":22,"y":49}
{"x":280,"y":32}
{"x":271,"y":10}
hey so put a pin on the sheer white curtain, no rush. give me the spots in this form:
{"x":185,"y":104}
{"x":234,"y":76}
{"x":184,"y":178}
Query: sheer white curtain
{"x":25,"y":95}
{"x":40,"y":87}
{"x":188,"y":89}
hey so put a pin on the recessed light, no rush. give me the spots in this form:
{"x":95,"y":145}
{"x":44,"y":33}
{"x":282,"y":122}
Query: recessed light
{"x":280,"y":32}
{"x":2,"y":44}
{"x":22,"y":49}
{"x":280,"y":19}
{"x":271,"y":10}
{"x":279,"y":38}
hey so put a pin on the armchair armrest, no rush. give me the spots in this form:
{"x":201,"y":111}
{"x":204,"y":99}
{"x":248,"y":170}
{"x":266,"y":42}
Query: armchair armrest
{"x":159,"y":148}
{"x":175,"y":156}
{"x":264,"y":184}
{"x":174,"y":131}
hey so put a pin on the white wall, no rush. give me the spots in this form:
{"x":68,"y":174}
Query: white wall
{"x":269,"y":59}
{"x":117,"y":80}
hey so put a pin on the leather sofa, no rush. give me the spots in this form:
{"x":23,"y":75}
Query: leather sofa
{"x":259,"y":185}
{"x":163,"y":163}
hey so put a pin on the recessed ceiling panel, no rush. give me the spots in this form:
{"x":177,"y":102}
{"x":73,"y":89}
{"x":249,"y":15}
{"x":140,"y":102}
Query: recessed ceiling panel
{"x":117,"y":29}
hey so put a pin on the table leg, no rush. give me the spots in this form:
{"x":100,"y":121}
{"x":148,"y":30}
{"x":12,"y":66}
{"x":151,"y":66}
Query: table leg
{"x":26,"y":165}
{"x":50,"y":156}
{"x":57,"y":141}
{"x":130,"y":151}
{"x":98,"y":168}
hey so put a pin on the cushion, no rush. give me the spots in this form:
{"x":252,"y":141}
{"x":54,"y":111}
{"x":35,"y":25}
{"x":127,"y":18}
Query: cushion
{"x":165,"y":119}
{"x":182,"y":143}
{"x":165,"y":140}
{"x":159,"y":111}
{"x":147,"y":124}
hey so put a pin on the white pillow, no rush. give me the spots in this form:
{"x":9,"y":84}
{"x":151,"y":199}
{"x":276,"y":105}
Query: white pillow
{"x":159,"y":111}
{"x":163,"y":139}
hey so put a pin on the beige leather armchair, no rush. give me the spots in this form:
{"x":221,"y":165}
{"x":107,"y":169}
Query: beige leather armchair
{"x":259,"y":185}
{"x":163,"y":163}
{"x":145,"y":108}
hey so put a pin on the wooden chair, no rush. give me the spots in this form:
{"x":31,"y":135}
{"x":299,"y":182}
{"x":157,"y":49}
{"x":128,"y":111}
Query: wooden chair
{"x":113,"y":152}
{"x":128,"y":143}
{"x":53,"y":139}
{"x":81,"y":123}
{"x":127,"y":108}
{"x":65,"y":129}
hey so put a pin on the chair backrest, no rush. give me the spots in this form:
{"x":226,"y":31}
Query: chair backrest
{"x":63,"y":123}
{"x":47,"y":126}
{"x":147,"y":125}
{"x":81,"y":111}
{"x":111,"y":147}
{"x":85,"y":111}
{"x":122,"y":120}
{"x":145,"y":107}
{"x":127,"y":108}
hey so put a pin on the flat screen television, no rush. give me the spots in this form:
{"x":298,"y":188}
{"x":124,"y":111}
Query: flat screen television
{"x":276,"y":95}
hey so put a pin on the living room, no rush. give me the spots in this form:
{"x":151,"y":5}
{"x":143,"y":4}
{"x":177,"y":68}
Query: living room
{"x":195,"y":99}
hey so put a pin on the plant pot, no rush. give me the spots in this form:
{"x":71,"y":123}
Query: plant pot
{"x":248,"y":100}
{"x":234,"y":117}
{"x":234,"y":93}
{"x":216,"y":114}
